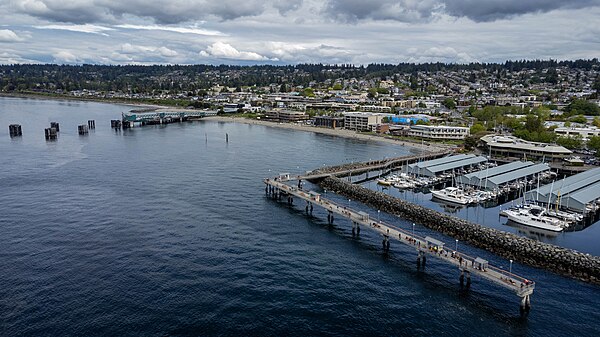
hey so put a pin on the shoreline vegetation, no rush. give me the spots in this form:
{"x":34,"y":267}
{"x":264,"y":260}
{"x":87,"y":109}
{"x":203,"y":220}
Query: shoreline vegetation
{"x":237,"y":119}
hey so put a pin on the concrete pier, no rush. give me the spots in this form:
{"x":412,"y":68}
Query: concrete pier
{"x":425,"y":246}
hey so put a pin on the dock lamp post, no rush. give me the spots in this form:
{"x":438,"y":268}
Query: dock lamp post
{"x":456,"y":246}
{"x":510,"y":267}
{"x":349,"y":203}
{"x":378,"y":211}
{"x":413,"y":232}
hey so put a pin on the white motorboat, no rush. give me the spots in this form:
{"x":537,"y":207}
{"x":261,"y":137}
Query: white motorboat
{"x":535,"y":217}
{"x":453,"y":195}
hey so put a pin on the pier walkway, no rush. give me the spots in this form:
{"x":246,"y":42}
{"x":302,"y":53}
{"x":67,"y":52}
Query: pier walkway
{"x":384,"y":166}
{"x":425,"y":246}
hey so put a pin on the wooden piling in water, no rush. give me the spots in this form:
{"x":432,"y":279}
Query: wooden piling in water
{"x":15,"y":130}
{"x":82,"y":129}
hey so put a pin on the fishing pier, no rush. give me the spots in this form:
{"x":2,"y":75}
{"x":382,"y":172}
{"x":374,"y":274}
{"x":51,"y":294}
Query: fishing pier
{"x":425,"y":247}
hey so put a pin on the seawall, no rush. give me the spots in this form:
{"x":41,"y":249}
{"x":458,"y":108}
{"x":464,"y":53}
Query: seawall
{"x":561,"y":260}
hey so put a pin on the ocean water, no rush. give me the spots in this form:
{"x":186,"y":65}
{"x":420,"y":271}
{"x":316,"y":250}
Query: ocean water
{"x":166,"y":231}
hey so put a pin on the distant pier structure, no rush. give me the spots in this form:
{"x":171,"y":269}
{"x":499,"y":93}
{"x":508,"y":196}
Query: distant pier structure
{"x":83,"y":129}
{"x":51,"y":133}
{"x":15,"y":130}
{"x":136,"y":118}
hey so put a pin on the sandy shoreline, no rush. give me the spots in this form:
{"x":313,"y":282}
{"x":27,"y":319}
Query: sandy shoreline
{"x":332,"y":132}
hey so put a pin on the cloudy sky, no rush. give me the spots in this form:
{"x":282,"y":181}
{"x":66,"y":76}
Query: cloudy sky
{"x":295,"y":31}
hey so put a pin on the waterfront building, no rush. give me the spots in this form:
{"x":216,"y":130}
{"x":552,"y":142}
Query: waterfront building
{"x":441,"y":132}
{"x":510,"y":146}
{"x":363,"y":121}
{"x":329,"y":122}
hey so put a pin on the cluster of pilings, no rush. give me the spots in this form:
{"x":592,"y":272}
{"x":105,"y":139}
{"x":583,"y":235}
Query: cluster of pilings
{"x":91,"y":124}
{"x":15,"y":130}
{"x":274,"y":193}
{"x":83,"y":129}
{"x":115,"y":123}
{"x":51,"y":133}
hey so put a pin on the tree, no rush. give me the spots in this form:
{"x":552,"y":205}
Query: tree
{"x":337,"y":86}
{"x":570,"y":142}
{"x":308,"y":92}
{"x":578,"y":119}
{"x":471,"y":142}
{"x":449,"y":103}
{"x":596,"y":122}
{"x":583,"y":107}
{"x":477,"y":128}
{"x":594,"y":144}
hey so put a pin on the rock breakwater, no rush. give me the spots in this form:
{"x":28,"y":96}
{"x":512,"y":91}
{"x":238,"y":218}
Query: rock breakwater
{"x":561,"y":260}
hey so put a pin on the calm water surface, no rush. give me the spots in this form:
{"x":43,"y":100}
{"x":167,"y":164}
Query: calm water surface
{"x":157,"y":232}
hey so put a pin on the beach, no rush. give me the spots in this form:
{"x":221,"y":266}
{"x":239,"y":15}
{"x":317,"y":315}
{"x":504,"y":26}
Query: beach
{"x":334,"y":132}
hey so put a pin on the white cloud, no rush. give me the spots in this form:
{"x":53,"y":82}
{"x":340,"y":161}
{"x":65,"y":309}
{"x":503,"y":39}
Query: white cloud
{"x":64,"y":57}
{"x":223,"y":50}
{"x":136,"y":51}
{"x":7,"y":35}
{"x":183,"y":30}
{"x":87,"y":28}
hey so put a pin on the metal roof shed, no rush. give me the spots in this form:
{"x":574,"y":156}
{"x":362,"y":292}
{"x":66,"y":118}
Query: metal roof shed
{"x":578,"y":200}
{"x":434,"y":170}
{"x":497,"y":181}
{"x":580,"y":180}
{"x":417,"y":167}
{"x":477,"y":178}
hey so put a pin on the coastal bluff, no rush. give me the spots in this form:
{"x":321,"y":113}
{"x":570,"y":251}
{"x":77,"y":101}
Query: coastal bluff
{"x":560,"y":260}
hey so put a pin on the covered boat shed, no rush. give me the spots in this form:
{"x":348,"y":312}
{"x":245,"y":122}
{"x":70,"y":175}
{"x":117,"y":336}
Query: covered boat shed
{"x":516,"y":175}
{"x":434,"y":170}
{"x":479,"y":178}
{"x":574,"y":192}
{"x":416,"y":168}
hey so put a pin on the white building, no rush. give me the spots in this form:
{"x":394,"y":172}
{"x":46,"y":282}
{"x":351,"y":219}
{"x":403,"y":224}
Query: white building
{"x":363,"y":121}
{"x":438,"y":132}
{"x":584,"y":133}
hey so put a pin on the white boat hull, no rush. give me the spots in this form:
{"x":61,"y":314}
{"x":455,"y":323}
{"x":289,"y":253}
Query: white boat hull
{"x":527,"y":220}
{"x":445,"y":197}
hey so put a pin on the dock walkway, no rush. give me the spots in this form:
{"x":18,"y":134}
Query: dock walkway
{"x":425,"y":246}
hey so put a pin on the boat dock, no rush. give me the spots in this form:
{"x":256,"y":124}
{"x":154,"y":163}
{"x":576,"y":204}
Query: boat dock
{"x":129,"y":119}
{"x":424,"y":246}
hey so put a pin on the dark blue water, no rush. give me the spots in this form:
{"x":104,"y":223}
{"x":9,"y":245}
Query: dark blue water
{"x":154,"y":231}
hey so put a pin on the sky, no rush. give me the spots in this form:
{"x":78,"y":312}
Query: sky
{"x":296,"y":31}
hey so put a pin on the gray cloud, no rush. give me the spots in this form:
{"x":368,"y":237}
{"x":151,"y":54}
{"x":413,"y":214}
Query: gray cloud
{"x":165,"y":12}
{"x":490,"y":10}
{"x":415,"y":10}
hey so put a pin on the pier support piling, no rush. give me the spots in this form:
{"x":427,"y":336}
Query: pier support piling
{"x":15,"y":130}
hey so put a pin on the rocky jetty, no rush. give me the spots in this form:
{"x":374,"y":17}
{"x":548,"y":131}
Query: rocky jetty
{"x":561,"y":260}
